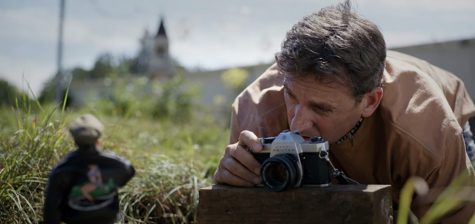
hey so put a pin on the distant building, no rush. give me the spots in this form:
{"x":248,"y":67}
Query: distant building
{"x":152,"y":63}
{"x":154,"y":58}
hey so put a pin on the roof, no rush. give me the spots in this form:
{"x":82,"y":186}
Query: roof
{"x":161,"y":29}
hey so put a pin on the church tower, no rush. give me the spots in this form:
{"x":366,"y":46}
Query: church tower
{"x":161,"y":40}
{"x":154,"y":58}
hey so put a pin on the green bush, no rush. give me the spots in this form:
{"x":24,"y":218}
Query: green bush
{"x":175,"y":101}
{"x":140,"y":97}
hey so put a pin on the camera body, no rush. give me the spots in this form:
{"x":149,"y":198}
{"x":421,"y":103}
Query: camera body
{"x":288,"y":161}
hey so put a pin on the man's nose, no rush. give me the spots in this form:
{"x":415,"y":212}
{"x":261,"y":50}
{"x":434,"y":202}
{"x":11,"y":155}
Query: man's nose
{"x":300,"y":120}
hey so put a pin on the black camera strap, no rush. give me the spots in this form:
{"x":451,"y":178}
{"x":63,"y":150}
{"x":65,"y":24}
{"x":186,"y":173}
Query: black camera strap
{"x":338,"y":174}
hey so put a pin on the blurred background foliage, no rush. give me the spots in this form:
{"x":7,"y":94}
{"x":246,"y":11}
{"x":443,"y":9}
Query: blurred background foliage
{"x":235,"y":79}
{"x":174,"y":143}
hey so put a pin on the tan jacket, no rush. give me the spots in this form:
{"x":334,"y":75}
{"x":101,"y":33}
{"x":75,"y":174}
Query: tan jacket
{"x":416,"y":131}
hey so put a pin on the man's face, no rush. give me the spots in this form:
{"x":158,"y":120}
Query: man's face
{"x":320,"y":109}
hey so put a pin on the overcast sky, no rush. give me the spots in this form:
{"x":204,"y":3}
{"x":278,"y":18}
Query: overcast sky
{"x":203,"y":33}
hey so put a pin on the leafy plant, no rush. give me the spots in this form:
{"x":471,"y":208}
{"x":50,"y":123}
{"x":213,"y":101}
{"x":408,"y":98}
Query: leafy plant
{"x":175,"y":100}
{"x":235,"y":79}
{"x":449,"y":200}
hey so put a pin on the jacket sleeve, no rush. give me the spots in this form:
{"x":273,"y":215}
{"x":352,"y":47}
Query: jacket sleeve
{"x":128,"y":171}
{"x":235,"y":128}
{"x":260,"y":108}
{"x":53,"y":198}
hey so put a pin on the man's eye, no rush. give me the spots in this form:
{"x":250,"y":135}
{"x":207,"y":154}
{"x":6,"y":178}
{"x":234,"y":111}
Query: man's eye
{"x":321,"y":110}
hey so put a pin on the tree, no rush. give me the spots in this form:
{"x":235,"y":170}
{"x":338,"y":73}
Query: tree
{"x":235,"y":79}
{"x":9,"y":94}
{"x":48,"y":93}
{"x":104,"y":67}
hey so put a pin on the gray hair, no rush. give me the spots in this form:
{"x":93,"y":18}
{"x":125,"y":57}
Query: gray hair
{"x":335,"y":44}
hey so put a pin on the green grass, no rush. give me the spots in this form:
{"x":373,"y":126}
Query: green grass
{"x":27,"y":151}
{"x":173,"y":160}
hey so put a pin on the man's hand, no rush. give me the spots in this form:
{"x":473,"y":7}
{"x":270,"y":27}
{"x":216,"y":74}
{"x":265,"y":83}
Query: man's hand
{"x":238,"y":167}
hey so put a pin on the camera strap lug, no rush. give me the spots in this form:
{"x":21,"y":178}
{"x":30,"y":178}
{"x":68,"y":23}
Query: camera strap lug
{"x":338,"y":174}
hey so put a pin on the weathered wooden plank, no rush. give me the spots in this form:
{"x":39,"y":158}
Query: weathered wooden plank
{"x":333,"y":204}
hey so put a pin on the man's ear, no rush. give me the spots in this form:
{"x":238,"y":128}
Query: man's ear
{"x":371,"y":101}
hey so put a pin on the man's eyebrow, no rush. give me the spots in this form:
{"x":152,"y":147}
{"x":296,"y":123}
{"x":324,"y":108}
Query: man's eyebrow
{"x":312,"y":104}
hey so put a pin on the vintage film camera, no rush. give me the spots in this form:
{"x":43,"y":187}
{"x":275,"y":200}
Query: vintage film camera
{"x":288,"y":161}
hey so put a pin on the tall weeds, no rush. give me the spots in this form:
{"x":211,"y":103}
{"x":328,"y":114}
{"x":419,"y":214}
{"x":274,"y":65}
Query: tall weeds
{"x":27,"y":152}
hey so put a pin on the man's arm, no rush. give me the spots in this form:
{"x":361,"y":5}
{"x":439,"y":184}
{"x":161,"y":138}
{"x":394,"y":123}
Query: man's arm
{"x":260,"y":108}
{"x":454,"y":163}
{"x":259,"y":111}
{"x":235,"y":128}
{"x":128,"y":171}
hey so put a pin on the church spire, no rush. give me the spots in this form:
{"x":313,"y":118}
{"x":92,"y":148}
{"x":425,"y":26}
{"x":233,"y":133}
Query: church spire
{"x":161,"y":29}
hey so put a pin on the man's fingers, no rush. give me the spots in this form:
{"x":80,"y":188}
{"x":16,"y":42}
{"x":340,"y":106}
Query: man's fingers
{"x":244,"y":157}
{"x":250,"y":140}
{"x":237,"y":169}
{"x":238,"y":166}
{"x":224,"y":176}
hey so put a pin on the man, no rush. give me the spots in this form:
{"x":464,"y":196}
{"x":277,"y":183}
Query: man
{"x":387,"y":117}
{"x":82,"y":188}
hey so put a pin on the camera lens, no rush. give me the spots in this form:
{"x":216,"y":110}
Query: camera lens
{"x":280,"y":172}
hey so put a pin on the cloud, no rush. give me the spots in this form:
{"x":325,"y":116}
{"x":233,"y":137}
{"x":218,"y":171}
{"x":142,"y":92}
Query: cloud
{"x":35,"y":23}
{"x":102,"y":37}
{"x":24,"y":74}
{"x":223,"y":51}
